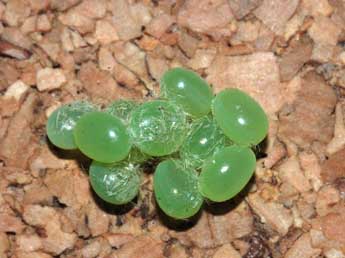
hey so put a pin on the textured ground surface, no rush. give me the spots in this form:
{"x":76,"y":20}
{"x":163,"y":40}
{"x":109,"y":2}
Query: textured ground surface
{"x":288,"y":54}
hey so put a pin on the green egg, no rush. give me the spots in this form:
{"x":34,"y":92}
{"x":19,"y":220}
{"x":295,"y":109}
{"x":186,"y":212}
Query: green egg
{"x":122,"y":109}
{"x":158,"y":127}
{"x":187,"y":89}
{"x":226,"y":173}
{"x":204,"y":138}
{"x":240,"y":117}
{"x":115,"y":183}
{"x":102,"y":137}
{"x":62,"y":121}
{"x":176,"y":190}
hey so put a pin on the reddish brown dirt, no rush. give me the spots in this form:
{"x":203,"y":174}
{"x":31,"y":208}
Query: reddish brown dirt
{"x":289,"y":55}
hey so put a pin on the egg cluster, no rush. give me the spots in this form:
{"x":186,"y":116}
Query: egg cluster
{"x":204,"y":142}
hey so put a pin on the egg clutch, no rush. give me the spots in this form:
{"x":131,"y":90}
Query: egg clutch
{"x":204,"y":143}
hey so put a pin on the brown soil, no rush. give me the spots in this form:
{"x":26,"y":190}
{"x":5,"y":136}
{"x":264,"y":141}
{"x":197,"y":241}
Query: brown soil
{"x":289,"y":55}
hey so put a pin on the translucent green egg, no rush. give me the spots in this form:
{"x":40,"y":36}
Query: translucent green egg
{"x":240,"y":117}
{"x":204,"y":138}
{"x":187,"y":89}
{"x":102,"y":137}
{"x":226,"y":173}
{"x":62,"y":121}
{"x":122,"y":109}
{"x":158,"y":127}
{"x":136,"y":156}
{"x":115,"y":183}
{"x":176,"y":190}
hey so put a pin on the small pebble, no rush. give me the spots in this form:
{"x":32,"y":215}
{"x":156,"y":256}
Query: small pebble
{"x":49,"y":79}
